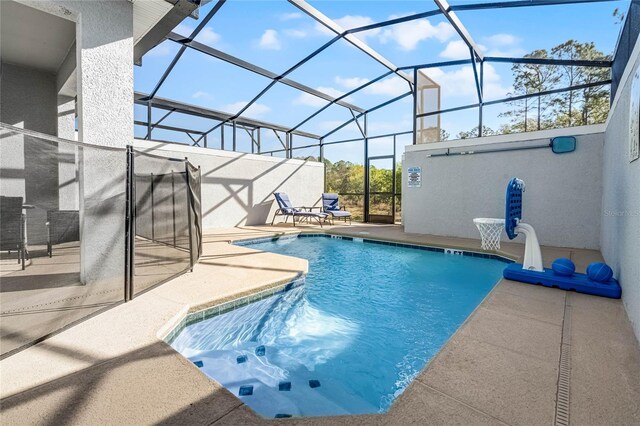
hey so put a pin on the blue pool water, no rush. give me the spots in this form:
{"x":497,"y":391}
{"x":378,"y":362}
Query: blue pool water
{"x":349,"y":340}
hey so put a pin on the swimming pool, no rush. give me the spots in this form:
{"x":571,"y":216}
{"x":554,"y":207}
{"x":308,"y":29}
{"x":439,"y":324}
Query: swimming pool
{"x":348,"y":341}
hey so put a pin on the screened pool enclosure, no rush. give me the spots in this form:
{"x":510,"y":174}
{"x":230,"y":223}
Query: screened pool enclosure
{"x":572,"y":87}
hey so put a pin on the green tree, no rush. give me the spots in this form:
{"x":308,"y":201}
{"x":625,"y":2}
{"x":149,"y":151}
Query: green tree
{"x":569,"y":76}
{"x":618,"y":16}
{"x":572,"y":108}
{"x":347,"y":179}
{"x":585,"y":106}
{"x":595,"y":100}
{"x":308,"y":158}
{"x":473,"y":133}
{"x":344,"y":177}
{"x":528,"y":79}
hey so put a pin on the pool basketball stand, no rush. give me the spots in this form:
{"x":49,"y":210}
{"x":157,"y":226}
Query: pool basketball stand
{"x":598,"y":280}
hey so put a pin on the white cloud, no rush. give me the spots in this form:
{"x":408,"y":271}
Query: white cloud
{"x":498,"y":45}
{"x":502,"y":39}
{"x":352,"y":21}
{"x":308,"y":99}
{"x":293,"y":33}
{"x":504,"y":45}
{"x":351,"y":82}
{"x":255,"y":110}
{"x":290,"y":16}
{"x":331,"y":91}
{"x":457,"y":50}
{"x":183,"y":29}
{"x":201,"y":95}
{"x":322,"y":29}
{"x":208,"y":36}
{"x":331,"y":124}
{"x":377,"y":127}
{"x":513,"y":52}
{"x":347,"y":22}
{"x":461,"y":82}
{"x":394,"y":86}
{"x":163,"y":49}
{"x":408,"y":34}
{"x":270,"y":40}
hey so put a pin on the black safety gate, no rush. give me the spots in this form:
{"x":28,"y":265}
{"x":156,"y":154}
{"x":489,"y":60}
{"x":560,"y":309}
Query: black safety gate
{"x":163,"y":220}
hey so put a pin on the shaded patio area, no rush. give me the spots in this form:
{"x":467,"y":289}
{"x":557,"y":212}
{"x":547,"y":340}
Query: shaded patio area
{"x":49,"y":294}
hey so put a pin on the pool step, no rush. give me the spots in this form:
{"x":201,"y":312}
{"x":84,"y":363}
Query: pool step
{"x":271,"y":390}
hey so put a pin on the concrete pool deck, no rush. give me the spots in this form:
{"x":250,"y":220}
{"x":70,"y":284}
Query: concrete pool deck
{"x":501,"y":367}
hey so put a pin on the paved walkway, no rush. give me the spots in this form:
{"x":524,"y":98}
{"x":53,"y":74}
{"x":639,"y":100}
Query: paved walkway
{"x":501,"y":367}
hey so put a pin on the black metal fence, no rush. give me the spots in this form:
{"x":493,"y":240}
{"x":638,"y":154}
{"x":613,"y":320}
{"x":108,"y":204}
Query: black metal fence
{"x":164,"y":237}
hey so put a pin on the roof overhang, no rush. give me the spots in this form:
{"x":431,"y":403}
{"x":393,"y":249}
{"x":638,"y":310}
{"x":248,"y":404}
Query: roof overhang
{"x":153,"y":20}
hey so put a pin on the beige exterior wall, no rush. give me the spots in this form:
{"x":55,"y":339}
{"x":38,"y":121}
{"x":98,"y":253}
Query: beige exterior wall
{"x":237,"y":188}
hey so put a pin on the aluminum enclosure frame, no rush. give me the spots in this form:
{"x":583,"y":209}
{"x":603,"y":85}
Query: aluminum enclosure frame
{"x":477,"y":60}
{"x":442,"y":8}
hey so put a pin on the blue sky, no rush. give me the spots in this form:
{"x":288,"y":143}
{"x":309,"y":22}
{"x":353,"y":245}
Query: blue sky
{"x":276,"y":35}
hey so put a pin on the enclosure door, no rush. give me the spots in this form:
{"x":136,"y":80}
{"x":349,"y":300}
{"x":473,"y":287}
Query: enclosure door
{"x":380,"y":184}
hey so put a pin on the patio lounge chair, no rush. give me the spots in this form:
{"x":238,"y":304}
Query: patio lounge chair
{"x":62,"y":226}
{"x":12,"y":235}
{"x":331,"y":205}
{"x":286,"y":209}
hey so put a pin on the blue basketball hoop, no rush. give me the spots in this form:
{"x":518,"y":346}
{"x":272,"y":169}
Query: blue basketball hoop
{"x":532,"y":271}
{"x":513,"y":207}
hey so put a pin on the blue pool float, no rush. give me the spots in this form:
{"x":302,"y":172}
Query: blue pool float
{"x":598,"y":281}
{"x":577,"y":282}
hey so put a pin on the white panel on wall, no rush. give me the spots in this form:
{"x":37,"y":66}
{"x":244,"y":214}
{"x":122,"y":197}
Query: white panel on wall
{"x":562,"y":202}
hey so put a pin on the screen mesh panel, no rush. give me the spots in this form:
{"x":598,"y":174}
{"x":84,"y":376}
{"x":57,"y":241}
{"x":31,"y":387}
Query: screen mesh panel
{"x":63,"y":222}
{"x":164,"y":215}
{"x":626,"y":43}
{"x":61,"y":247}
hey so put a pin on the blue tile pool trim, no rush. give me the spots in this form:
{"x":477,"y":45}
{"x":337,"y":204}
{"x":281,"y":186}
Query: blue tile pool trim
{"x":231,"y":305}
{"x":223,"y":308}
{"x":381,"y":242}
{"x":245,"y":390}
{"x":284,"y":386}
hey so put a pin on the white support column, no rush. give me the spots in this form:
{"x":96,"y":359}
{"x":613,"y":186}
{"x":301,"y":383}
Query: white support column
{"x":104,"y":43}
